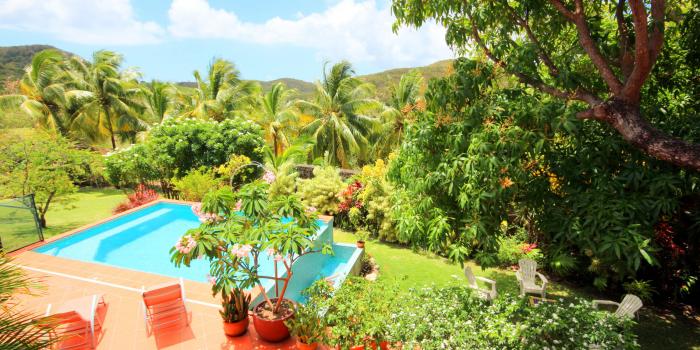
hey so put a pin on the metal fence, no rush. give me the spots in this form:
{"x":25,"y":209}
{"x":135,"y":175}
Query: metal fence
{"x":19,"y":223}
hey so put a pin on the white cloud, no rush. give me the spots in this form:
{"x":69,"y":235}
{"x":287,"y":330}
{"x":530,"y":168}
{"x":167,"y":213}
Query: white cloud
{"x":105,"y":22}
{"x":351,"y":29}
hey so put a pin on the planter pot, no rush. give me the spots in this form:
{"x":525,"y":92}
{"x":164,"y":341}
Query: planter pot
{"x":361,"y":244}
{"x":304,"y":346}
{"x":270,"y":330}
{"x":235,"y":329}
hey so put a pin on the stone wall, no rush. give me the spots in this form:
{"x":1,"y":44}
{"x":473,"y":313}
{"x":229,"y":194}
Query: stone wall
{"x":306,"y":171}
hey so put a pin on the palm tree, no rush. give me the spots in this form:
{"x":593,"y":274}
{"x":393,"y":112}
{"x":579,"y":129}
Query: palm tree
{"x":42,"y":92}
{"x":20,"y":329}
{"x":221,"y":95}
{"x":342,"y":110}
{"x":405,"y":99}
{"x":160,"y":100}
{"x":278,"y":117}
{"x":107,"y":102}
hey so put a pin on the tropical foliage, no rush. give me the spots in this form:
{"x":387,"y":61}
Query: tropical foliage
{"x":343,"y":116}
{"x":43,"y":164}
{"x":20,"y":329}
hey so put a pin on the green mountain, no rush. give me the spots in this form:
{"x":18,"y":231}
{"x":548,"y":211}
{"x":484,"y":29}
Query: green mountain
{"x":13,"y":59}
{"x":383,"y":81}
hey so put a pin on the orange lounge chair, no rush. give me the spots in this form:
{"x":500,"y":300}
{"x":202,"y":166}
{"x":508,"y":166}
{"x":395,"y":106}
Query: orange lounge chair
{"x":76,"y":321}
{"x":164,"y":305}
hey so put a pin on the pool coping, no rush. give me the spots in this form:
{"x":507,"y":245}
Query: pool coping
{"x":68,"y":233}
{"x":27,"y":258}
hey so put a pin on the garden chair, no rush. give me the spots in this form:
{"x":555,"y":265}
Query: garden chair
{"x":484,"y":293}
{"x":76,"y":322}
{"x":527,"y":275}
{"x":627,"y":308}
{"x":164,"y":305}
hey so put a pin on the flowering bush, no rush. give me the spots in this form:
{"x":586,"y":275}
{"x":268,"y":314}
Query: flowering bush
{"x":141,"y":196}
{"x":240,"y":231}
{"x":512,"y":248}
{"x":452,"y":318}
{"x":322,"y":190}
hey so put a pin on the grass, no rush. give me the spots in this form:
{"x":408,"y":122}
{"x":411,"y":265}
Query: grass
{"x":657,"y":329}
{"x":17,"y":228}
{"x":87,"y":206}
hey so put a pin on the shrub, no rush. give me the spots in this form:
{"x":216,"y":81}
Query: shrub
{"x":196,"y":184}
{"x":513,"y":248}
{"x":141,"y":196}
{"x":322,"y":190}
{"x":452,"y":318}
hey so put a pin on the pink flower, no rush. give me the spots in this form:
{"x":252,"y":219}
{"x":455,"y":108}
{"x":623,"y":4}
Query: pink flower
{"x":269,"y":177}
{"x":185,"y":244}
{"x":279,"y":257}
{"x":197,"y":209}
{"x":238,"y":205}
{"x":241,"y":251}
{"x":310,"y":210}
{"x":270,"y":251}
{"x":211,"y":279}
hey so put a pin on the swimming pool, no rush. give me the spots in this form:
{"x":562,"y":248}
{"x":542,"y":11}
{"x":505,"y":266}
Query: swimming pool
{"x":141,"y":241}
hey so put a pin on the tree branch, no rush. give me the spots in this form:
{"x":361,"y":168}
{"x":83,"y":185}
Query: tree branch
{"x":642,"y":65}
{"x":579,"y":94}
{"x":578,"y":18}
{"x":626,"y":60}
{"x":522,"y":22}
{"x":656,"y":41}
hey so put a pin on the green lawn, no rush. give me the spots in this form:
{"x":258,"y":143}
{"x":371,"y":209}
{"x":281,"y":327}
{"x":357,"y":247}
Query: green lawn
{"x":17,"y":227}
{"x":657,"y":329}
{"x":88,"y":205}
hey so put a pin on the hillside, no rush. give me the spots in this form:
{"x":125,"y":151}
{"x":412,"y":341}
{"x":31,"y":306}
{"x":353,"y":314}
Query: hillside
{"x":383,"y":81}
{"x":13,"y":59}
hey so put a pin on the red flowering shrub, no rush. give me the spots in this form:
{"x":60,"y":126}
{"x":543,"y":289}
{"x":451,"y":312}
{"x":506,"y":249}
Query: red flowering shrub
{"x":348,"y":197}
{"x":528,"y":247}
{"x":141,"y":196}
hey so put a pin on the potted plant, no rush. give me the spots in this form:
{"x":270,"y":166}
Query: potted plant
{"x":239,"y":233}
{"x":308,"y":324}
{"x":235,"y":306}
{"x":362,"y":236}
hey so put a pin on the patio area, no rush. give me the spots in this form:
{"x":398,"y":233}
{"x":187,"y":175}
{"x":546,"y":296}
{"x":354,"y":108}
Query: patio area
{"x":122,"y":318}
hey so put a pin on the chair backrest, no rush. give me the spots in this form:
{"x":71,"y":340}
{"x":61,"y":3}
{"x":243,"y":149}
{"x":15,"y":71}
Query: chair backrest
{"x":629,"y":305}
{"x":162,"y":294}
{"x":471,"y":280}
{"x":528,"y":269}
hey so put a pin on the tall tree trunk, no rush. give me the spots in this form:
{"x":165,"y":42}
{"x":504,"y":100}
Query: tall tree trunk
{"x":111,"y":134}
{"x":634,"y":128}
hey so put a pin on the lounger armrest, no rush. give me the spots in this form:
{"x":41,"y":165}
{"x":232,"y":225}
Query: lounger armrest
{"x":517,"y":276}
{"x":542,"y":278}
{"x":604,"y":302}
{"x":486,"y":280}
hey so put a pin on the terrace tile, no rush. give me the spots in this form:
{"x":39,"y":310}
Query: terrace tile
{"x":123,"y":323}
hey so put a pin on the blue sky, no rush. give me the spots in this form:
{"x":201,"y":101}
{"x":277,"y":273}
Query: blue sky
{"x":266,"y":39}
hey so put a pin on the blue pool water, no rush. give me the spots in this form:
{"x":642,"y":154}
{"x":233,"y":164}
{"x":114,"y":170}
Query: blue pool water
{"x":142,"y":240}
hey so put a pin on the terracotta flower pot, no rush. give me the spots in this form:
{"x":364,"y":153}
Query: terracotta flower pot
{"x":270,"y":330}
{"x":304,"y":346}
{"x":361,"y":244}
{"x":235,"y":329}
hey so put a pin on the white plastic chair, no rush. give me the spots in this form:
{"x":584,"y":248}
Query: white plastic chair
{"x":526,"y":275}
{"x":484,"y":293}
{"x":628,"y":307}
{"x":77,"y":321}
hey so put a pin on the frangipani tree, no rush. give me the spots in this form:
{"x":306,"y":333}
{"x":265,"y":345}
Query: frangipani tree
{"x":241,"y":230}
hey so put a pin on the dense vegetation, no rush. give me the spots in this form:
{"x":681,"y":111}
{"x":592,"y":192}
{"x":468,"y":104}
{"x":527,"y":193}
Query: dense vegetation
{"x":578,"y":152}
